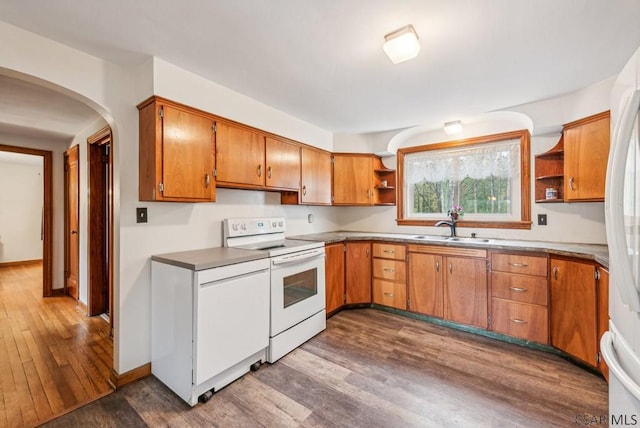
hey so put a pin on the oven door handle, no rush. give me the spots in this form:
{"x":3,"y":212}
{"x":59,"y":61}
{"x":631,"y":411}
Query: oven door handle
{"x":297,"y":258}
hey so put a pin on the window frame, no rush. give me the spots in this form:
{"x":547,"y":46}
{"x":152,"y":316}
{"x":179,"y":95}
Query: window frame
{"x":525,"y":180}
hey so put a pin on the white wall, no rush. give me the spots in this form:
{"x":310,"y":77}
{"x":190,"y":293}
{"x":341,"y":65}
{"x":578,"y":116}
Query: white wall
{"x":21,"y":205}
{"x":575,"y":222}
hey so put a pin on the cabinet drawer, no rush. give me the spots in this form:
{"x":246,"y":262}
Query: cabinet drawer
{"x":522,"y":288}
{"x":389,"y":293}
{"x":520,"y":320}
{"x":515,"y":263}
{"x":389,"y":251}
{"x":391,"y":270}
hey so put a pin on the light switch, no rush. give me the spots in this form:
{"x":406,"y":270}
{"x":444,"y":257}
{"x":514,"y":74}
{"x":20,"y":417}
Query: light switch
{"x":141,"y":215}
{"x":542,"y":219}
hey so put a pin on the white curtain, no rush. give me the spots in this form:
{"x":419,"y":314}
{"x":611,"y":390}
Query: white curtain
{"x":501,"y":159}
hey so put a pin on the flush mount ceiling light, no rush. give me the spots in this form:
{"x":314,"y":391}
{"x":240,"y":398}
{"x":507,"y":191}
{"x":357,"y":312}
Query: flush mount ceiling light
{"x":402,"y":44}
{"x":453,"y":127}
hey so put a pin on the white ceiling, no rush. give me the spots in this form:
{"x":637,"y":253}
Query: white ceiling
{"x":322,"y":60}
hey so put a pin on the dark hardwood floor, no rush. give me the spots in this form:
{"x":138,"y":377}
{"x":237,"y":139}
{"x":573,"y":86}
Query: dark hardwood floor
{"x":52,"y":357}
{"x":375,"y":369}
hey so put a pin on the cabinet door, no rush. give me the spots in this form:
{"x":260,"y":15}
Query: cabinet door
{"x":283,"y":165}
{"x":316,"y":177}
{"x":334,"y":276}
{"x":358,"y":268}
{"x":239,"y":156}
{"x":187,"y":155}
{"x":586,"y":150}
{"x":603,"y":314}
{"x":465,"y":291}
{"x":573,"y":309}
{"x":352,"y":179}
{"x":426,"y":293}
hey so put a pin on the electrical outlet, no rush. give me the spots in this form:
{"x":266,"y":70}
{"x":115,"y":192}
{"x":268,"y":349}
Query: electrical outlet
{"x":141,"y":215}
{"x":542,"y":219}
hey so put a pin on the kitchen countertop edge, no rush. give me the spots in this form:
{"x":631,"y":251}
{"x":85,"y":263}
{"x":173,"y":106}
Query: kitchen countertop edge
{"x":209,"y":258}
{"x":596,"y":252}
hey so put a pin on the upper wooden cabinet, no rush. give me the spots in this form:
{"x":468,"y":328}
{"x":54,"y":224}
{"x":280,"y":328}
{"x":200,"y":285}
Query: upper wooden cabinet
{"x":176,"y":153}
{"x":315,"y":177}
{"x":247,"y":159}
{"x":586,"y":150}
{"x":282,"y":161}
{"x":361,"y":179}
{"x":239,"y":156}
{"x":576,"y":167}
{"x":352,"y":179}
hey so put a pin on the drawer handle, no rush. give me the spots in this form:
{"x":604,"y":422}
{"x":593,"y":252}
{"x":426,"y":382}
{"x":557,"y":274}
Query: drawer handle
{"x":388,"y":270}
{"x":388,"y":294}
{"x":437,"y":266}
{"x":518,"y":264}
{"x":388,"y":251}
{"x":518,"y":321}
{"x":518,"y":289}
{"x":555,"y":272}
{"x":259,"y":170}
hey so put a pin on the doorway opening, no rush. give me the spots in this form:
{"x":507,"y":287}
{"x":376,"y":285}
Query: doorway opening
{"x":47,"y":212}
{"x":100,"y":226}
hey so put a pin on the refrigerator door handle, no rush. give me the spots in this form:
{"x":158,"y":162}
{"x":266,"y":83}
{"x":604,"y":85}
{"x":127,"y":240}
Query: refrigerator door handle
{"x":614,"y":199}
{"x":609,"y":354}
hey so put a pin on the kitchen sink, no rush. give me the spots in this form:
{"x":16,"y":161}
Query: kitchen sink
{"x":431,"y":238}
{"x":460,"y":239}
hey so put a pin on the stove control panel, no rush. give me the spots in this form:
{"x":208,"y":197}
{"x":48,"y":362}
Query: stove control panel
{"x":234,"y":227}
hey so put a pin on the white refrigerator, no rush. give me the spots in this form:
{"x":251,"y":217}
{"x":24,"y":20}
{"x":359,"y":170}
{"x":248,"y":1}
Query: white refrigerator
{"x":620,"y":346}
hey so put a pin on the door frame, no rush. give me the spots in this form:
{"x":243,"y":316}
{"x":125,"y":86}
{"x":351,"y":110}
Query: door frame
{"x":47,"y":207}
{"x":100,"y":247}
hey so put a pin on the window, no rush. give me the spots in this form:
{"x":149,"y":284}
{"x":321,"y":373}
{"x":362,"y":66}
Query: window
{"x":487,"y":176}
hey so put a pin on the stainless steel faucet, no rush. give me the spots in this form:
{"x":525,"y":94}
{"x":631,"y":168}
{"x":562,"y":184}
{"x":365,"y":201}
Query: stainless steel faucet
{"x":451,"y":224}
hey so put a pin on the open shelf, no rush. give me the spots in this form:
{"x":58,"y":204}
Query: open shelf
{"x":384,"y":185}
{"x":549,"y":173}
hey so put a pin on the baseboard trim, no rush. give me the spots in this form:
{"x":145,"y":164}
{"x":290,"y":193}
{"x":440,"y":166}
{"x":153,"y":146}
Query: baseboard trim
{"x":120,"y":380}
{"x":21,"y":263}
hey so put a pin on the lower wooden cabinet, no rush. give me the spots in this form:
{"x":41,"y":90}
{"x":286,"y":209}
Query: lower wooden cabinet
{"x":603,"y":315}
{"x":334,"y":276}
{"x":519,"y":295}
{"x":573,"y":309}
{"x":521,"y":320}
{"x":465,"y":291}
{"x":449,"y":282}
{"x":358,"y":272}
{"x":389,"y":275}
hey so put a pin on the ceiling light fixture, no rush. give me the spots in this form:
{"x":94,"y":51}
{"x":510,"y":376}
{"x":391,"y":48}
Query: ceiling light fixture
{"x":453,"y":127}
{"x":401,"y":45}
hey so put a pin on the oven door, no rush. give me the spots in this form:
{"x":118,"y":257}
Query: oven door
{"x":297,"y":288}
